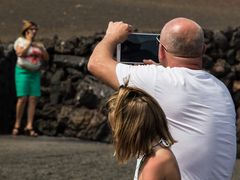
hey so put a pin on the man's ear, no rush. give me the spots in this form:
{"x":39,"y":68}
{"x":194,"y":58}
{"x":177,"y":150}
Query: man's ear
{"x":161,"y":54}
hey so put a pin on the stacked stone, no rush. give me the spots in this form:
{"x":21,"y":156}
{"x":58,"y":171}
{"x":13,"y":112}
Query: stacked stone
{"x":72,"y":101}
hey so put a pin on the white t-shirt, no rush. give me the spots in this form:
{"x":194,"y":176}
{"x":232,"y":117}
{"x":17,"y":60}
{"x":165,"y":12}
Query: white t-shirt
{"x":33,"y":58}
{"x":200,"y":114}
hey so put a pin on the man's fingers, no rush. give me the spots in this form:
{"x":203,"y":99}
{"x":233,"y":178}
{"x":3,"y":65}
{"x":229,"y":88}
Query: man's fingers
{"x":118,"y":31}
{"x":149,"y":61}
{"x":130,"y":28}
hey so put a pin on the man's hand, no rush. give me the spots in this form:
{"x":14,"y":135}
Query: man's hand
{"x":117,"y":32}
{"x":149,"y":61}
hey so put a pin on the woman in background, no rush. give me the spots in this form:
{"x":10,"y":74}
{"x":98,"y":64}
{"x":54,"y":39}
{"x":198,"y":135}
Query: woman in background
{"x":27,"y":75}
{"x":139,"y":129}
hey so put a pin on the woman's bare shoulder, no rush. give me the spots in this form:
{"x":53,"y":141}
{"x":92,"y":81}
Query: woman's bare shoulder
{"x":161,"y":165}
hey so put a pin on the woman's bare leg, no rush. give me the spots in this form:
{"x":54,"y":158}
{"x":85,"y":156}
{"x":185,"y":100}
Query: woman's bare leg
{"x":21,"y":102}
{"x":32,"y":102}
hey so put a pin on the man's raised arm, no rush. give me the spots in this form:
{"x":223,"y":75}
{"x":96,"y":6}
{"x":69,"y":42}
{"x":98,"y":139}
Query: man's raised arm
{"x":101,"y":63}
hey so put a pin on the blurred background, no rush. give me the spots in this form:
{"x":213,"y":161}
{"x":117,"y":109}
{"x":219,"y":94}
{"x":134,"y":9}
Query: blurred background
{"x":85,"y":17}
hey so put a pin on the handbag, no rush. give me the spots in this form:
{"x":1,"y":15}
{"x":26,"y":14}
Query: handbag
{"x":32,"y":61}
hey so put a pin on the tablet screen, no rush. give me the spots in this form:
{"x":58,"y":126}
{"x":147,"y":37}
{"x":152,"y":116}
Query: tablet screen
{"x":137,"y":47}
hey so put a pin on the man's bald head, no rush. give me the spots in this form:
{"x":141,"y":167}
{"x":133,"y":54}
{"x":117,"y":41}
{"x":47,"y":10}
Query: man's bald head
{"x":183,"y":37}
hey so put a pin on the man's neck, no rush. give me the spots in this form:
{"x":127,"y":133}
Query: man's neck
{"x":191,"y":63}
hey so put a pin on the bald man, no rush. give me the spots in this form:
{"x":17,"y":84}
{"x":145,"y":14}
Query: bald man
{"x":199,"y":108}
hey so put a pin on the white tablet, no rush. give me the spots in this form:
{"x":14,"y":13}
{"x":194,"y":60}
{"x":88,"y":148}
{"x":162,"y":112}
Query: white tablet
{"x":137,"y":47}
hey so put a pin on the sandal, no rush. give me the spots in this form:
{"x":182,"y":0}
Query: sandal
{"x":15,"y":131}
{"x":30,"y":132}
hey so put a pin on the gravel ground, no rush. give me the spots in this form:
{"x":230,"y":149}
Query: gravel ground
{"x":48,"y":158}
{"x":51,"y":158}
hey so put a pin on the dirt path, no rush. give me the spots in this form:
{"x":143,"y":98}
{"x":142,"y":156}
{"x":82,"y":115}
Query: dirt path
{"x":62,"y":158}
{"x":58,"y":159}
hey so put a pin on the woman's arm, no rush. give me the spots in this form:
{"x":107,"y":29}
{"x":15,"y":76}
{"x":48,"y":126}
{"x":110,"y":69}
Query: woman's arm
{"x":22,"y":51}
{"x":45,"y":54}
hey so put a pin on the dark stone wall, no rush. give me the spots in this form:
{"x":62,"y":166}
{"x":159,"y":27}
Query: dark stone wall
{"x":7,"y":88}
{"x":72,"y":101}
